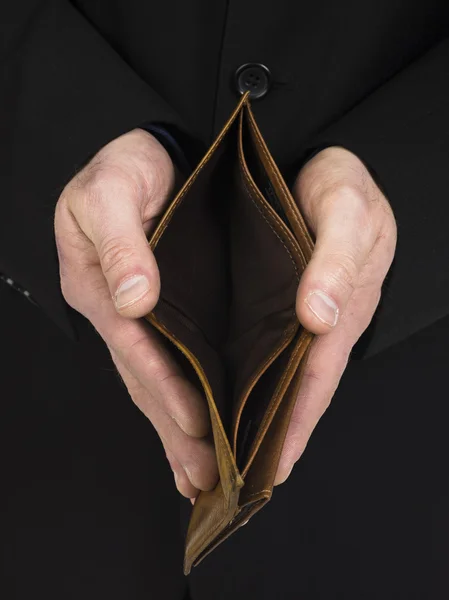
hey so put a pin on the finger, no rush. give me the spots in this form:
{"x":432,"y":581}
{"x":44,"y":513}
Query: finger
{"x":195,"y":455}
{"x":110,"y":216}
{"x":325,"y":365}
{"x":138,"y":346}
{"x":346,"y":231}
{"x":135,"y":389}
{"x":141,"y":351}
{"x":181,"y":480}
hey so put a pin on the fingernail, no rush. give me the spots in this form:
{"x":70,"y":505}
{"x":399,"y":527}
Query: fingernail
{"x":323,"y":307}
{"x":131,"y":290}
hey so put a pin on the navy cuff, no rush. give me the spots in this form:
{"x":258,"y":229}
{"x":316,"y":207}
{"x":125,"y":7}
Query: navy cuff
{"x":164,"y":137}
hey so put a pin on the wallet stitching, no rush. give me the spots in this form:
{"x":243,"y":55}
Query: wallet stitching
{"x":271,"y":409}
{"x":280,"y":183}
{"x":225,"y":533}
{"x":267,"y":363}
{"x":287,"y":331}
{"x":205,"y":542}
{"x":286,"y":196}
{"x":158,"y":233}
{"x":246,"y":179}
{"x":197,"y":551}
{"x":227,"y":452}
{"x":180,"y":315}
{"x":274,"y":402}
{"x":257,"y":192}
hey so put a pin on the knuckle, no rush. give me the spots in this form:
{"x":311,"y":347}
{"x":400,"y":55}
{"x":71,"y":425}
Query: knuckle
{"x":343,"y":272}
{"x":96,"y":183}
{"x":158,"y":371}
{"x":134,"y":351}
{"x":93,"y":201}
{"x":345,"y":192}
{"x":357,"y":205}
{"x":311,"y":375}
{"x":152,"y":364}
{"x":116,"y":254}
{"x":105,"y":177}
{"x":93,"y":196}
{"x":92,"y":174}
{"x":348,"y":202}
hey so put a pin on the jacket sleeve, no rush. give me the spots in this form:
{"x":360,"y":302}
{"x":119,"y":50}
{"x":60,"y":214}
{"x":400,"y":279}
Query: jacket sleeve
{"x":401,"y":132}
{"x":65,"y":93}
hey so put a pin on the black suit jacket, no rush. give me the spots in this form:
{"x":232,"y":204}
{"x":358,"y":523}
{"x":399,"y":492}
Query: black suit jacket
{"x":369,"y":75}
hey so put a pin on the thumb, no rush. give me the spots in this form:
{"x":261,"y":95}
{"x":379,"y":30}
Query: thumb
{"x":344,"y":239}
{"x":127,"y":263}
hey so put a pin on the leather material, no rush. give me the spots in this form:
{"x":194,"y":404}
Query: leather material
{"x":231,"y":249}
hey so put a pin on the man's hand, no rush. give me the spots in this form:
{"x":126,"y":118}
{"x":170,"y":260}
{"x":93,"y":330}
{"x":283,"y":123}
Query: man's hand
{"x":340,"y":289}
{"x":109,"y":274}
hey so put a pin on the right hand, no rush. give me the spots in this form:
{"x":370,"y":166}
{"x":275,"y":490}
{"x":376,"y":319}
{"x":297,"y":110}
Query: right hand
{"x":109,"y":274}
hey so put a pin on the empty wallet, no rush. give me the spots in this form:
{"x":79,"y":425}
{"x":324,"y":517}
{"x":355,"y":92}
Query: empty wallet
{"x":231,"y":248}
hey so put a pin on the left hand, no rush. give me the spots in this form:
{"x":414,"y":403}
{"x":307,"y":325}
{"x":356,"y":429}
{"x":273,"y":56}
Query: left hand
{"x":340,"y":289}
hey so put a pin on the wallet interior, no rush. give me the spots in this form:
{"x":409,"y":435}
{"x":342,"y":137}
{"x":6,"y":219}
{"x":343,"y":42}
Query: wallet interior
{"x":230,"y":264}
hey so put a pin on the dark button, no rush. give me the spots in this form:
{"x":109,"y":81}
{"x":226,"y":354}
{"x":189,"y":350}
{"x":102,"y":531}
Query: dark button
{"x":253,"y":77}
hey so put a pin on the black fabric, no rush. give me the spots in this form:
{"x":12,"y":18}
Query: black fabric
{"x":371,"y":76}
{"x":80,"y":516}
{"x":363,"y":515}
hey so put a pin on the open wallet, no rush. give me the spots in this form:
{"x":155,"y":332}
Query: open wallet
{"x":231,"y":248}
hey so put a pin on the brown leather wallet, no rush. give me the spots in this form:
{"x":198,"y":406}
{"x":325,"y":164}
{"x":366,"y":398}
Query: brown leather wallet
{"x":231,"y":249}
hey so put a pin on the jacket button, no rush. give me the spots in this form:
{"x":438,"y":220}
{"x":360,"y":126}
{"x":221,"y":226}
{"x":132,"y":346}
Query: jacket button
{"x":253,"y":77}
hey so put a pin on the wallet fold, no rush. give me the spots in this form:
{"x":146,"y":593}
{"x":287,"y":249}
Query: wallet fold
{"x":231,"y":249}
